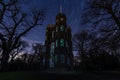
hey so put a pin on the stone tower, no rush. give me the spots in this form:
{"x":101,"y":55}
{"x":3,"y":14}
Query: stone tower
{"x":58,"y":44}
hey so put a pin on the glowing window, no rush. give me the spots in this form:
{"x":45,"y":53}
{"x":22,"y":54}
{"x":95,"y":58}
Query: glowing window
{"x":62,"y":42}
{"x":56,"y":43}
{"x":56,"y":58}
{"x":61,"y":19}
{"x":53,"y":45}
{"x":61,"y":28}
{"x":52,"y":48}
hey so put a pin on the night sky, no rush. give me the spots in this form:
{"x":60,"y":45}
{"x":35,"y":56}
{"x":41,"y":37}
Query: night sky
{"x":71,"y":8}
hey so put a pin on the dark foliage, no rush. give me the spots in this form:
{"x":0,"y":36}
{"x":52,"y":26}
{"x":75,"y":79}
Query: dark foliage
{"x":98,"y":48}
{"x":15,"y":24}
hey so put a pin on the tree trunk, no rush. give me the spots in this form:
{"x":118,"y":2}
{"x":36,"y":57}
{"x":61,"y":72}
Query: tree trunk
{"x":4,"y":61}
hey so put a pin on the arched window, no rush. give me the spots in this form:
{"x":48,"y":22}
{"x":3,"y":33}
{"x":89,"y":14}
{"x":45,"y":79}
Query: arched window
{"x":61,"y":19}
{"x":52,"y":45}
{"x":62,"y":42}
{"x":52,"y":48}
{"x":56,"y":43}
{"x":56,"y":58}
{"x":62,"y":28}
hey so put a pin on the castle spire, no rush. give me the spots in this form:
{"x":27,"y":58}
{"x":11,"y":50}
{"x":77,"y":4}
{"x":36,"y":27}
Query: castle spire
{"x":60,"y":8}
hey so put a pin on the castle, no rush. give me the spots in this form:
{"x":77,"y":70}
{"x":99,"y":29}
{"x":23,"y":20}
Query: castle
{"x":58,"y":44}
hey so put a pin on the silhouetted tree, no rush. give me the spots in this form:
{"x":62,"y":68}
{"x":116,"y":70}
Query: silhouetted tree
{"x":98,"y":52}
{"x":19,"y":50}
{"x":102,"y":13}
{"x":37,"y":55}
{"x":82,"y":41}
{"x":13,"y":25}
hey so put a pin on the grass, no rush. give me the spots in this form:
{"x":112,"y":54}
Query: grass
{"x":16,"y":75}
{"x":32,"y":75}
{"x":36,"y":75}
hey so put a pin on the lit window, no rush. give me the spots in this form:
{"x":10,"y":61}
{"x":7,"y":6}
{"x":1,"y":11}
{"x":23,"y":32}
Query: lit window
{"x":56,"y":43}
{"x":62,"y":42}
{"x":52,"y":48}
{"x":62,"y":28}
{"x":53,"y":45}
{"x":61,"y":19}
{"x":56,"y":58}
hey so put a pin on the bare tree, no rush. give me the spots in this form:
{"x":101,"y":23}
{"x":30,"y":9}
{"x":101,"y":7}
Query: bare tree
{"x":105,"y":16}
{"x":18,"y":50}
{"x":102,"y":13}
{"x":14,"y":24}
{"x":37,"y":54}
{"x":82,"y":41}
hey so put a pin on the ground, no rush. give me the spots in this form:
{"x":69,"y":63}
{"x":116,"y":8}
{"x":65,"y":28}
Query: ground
{"x":37,"y":75}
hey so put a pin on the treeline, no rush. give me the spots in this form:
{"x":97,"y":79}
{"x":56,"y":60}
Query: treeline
{"x":98,"y":50}
{"x":29,"y":57}
{"x":14,"y":24}
{"x":99,"y":46}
